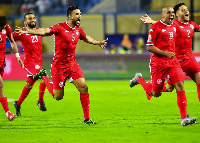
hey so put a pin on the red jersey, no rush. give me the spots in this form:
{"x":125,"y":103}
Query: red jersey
{"x":5,"y":32}
{"x":162,"y":36}
{"x":32,"y":45}
{"x":184,"y":39}
{"x":66,"y":39}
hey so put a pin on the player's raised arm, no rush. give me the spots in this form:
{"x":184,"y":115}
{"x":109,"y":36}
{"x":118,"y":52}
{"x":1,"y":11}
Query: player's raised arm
{"x":147,"y":19}
{"x":90,"y":40}
{"x":39,"y":31}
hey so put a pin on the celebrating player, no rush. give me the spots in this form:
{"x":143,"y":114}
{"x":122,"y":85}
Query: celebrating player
{"x":164,"y":63}
{"x":32,"y":45}
{"x":5,"y":30}
{"x":64,"y":64}
{"x":183,"y":42}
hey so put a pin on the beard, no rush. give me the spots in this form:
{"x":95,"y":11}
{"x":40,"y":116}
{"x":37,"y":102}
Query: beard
{"x":32,"y":26}
{"x":74,"y":23}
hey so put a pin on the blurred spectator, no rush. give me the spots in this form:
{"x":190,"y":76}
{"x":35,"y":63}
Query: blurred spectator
{"x":126,"y":43}
{"x":140,"y":45}
{"x":112,"y":49}
{"x":6,"y":1}
{"x":26,"y":7}
{"x":43,"y":6}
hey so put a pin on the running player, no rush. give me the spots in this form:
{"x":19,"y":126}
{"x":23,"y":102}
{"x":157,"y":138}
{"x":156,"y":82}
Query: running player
{"x":164,"y":63}
{"x":32,"y":45}
{"x":64,"y":64}
{"x":183,"y":51}
{"x":5,"y":30}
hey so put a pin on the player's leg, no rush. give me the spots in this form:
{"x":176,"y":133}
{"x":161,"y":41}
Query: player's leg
{"x":40,"y":102}
{"x":58,"y":93}
{"x":157,"y":85}
{"x":177,"y":79}
{"x":147,"y":86}
{"x":49,"y":84}
{"x":192,"y":69}
{"x":27,"y":88}
{"x":84,"y":98}
{"x":4,"y":102}
{"x":196,"y":79}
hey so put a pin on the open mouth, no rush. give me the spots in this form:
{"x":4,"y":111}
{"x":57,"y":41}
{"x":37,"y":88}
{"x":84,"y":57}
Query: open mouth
{"x":78,"y":21}
{"x":187,"y":15}
{"x":171,"y":19}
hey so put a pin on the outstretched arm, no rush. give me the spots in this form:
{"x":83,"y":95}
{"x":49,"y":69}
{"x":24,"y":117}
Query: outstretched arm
{"x":147,"y":19}
{"x":39,"y":31}
{"x":15,"y":49}
{"x":90,"y":40}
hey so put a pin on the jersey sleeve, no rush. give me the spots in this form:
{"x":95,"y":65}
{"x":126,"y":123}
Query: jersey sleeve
{"x":54,"y":29}
{"x":8,"y":31}
{"x":16,"y":36}
{"x":151,"y":36}
{"x":82,"y":34}
{"x":196,"y":27}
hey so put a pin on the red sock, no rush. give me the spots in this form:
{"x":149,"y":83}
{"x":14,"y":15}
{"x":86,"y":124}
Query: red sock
{"x":182,"y":103}
{"x":42,"y":88}
{"x":85,"y":101}
{"x":198,"y":91}
{"x":4,"y":104}
{"x":147,"y":86}
{"x":23,"y":95}
{"x":49,"y":84}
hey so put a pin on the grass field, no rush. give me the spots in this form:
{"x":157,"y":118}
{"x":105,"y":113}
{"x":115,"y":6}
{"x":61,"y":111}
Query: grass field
{"x":123,"y":115}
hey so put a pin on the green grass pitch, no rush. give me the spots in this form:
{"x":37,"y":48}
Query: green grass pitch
{"x":123,"y":115}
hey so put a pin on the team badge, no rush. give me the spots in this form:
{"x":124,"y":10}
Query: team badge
{"x":61,"y":84}
{"x":174,"y":29}
{"x":192,"y":26}
{"x":77,"y":33}
{"x":37,"y":67}
{"x":159,"y":81}
{"x":3,"y":31}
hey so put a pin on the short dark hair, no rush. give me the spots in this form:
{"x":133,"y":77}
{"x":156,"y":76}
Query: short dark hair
{"x":176,"y":7}
{"x":3,"y":21}
{"x":70,"y":9}
{"x":27,"y":14}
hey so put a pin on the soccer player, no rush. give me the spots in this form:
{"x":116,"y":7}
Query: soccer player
{"x":5,"y":30}
{"x":183,"y":51}
{"x":32,"y":45}
{"x":164,"y":63}
{"x":64,"y":64}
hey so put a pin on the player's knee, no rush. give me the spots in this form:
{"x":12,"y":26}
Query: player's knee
{"x":179,"y":86}
{"x":83,"y":88}
{"x":58,"y":97}
{"x":157,"y":94}
{"x":28,"y":86}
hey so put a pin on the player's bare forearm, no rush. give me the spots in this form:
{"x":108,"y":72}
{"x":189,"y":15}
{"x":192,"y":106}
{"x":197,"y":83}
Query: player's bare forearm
{"x":15,"y":49}
{"x":156,"y":50}
{"x":90,"y":40}
{"x":40,"y":31}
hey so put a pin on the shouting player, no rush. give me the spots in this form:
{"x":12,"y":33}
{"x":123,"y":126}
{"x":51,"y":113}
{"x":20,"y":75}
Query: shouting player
{"x":183,"y":51}
{"x":5,"y":30}
{"x":164,"y":63}
{"x":32,"y":45}
{"x":64,"y":64}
